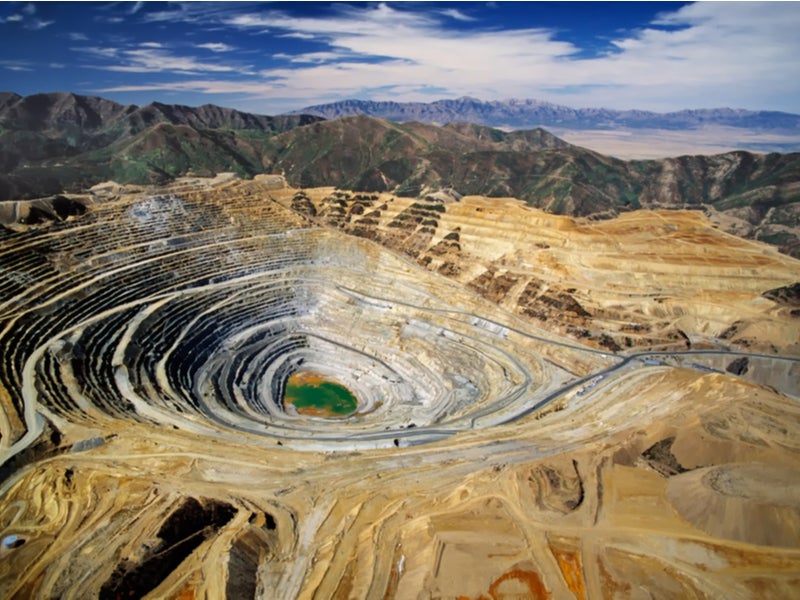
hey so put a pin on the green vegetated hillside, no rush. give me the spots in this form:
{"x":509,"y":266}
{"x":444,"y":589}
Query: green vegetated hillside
{"x":55,"y":142}
{"x":62,"y":141}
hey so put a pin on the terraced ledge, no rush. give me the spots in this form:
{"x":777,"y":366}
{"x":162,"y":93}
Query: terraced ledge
{"x":535,"y":399}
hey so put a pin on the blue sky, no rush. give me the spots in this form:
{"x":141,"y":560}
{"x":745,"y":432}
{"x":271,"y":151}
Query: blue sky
{"x":275,"y":57}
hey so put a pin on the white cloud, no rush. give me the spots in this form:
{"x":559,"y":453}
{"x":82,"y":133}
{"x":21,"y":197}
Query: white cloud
{"x":152,"y":57}
{"x":249,"y":21}
{"x":216,"y":47}
{"x":149,"y":60}
{"x":16,"y":65}
{"x":37,"y":24}
{"x":190,"y":12}
{"x":24,"y":16}
{"x":78,"y":37}
{"x":699,"y":55}
{"x":98,"y":51}
{"x":256,"y":89}
{"x":721,"y":54}
{"x":314,"y":57}
{"x":164,"y":15}
{"x":298,"y":35}
{"x":380,"y":21}
{"x":456,"y":14}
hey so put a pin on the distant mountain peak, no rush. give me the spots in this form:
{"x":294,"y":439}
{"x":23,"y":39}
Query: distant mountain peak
{"x":528,"y":113}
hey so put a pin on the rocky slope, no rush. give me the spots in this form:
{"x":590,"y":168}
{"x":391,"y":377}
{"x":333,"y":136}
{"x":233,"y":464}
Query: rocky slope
{"x":548,"y":406}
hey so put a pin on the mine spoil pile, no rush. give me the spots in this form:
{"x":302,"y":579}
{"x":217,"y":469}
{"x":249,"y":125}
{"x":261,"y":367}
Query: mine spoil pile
{"x":546,"y":407}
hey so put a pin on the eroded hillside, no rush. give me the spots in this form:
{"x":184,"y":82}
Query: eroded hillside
{"x":546,"y":407}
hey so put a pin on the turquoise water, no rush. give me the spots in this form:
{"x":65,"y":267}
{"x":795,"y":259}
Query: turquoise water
{"x":312,"y":395}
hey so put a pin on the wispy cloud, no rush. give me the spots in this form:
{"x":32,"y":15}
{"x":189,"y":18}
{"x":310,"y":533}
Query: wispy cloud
{"x":255,"y":89}
{"x":314,"y":57}
{"x":192,"y":12}
{"x":456,"y":14}
{"x":152,"y":57}
{"x":36,"y":24}
{"x":361,"y":21}
{"x":216,"y":47}
{"x":161,"y":16}
{"x":150,"y":60}
{"x":16,"y":65}
{"x":26,"y":16}
{"x":298,"y":35}
{"x":102,"y":52}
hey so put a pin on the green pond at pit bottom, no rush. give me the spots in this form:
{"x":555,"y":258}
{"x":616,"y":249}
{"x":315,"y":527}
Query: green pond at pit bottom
{"x":312,"y":395}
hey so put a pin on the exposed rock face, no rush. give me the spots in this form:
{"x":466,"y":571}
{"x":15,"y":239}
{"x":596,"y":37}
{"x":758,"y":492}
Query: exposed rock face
{"x":22,"y":213}
{"x":529,"y":422}
{"x":788,"y":295}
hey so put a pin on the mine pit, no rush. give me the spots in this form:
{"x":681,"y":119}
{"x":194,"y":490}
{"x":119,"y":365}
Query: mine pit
{"x":239,"y":391}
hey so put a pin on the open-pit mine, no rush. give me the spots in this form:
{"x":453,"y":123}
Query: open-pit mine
{"x":223,"y":388}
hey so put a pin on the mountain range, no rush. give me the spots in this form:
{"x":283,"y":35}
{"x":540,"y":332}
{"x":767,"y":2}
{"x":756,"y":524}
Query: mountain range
{"x":52,"y":143}
{"x":516,"y":114}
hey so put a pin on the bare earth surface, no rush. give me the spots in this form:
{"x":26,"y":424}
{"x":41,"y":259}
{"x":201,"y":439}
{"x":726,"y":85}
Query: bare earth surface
{"x":547,"y":407}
